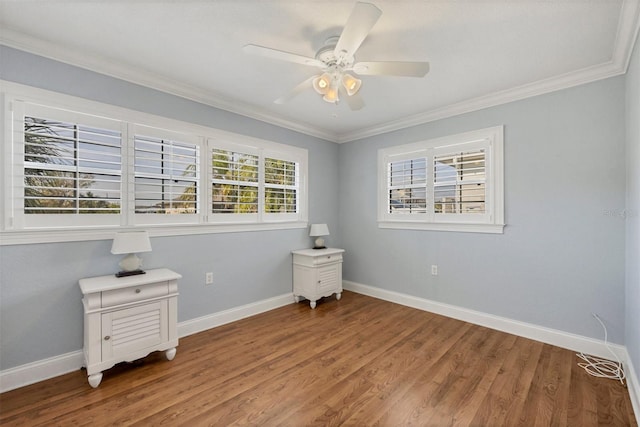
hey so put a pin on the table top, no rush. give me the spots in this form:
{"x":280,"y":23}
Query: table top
{"x":110,"y":282}
{"x":317,"y":252}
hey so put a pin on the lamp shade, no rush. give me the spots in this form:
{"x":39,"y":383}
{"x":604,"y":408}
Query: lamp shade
{"x":319,"y":230}
{"x":131,"y":242}
{"x":321,"y":83}
{"x":351,"y":84}
{"x":331,"y":95}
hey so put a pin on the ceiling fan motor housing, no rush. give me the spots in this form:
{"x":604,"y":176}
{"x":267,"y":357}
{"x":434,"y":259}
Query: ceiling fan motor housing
{"x":327,"y":55}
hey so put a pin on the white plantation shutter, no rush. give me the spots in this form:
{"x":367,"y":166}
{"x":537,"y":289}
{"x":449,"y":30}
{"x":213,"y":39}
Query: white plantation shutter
{"x":252,"y":184}
{"x":281,"y":186}
{"x":460,"y":183}
{"x":166,"y":176}
{"x":234,"y":181}
{"x":453,"y":183}
{"x":407,"y":186}
{"x":71,"y":169}
{"x":80,"y":171}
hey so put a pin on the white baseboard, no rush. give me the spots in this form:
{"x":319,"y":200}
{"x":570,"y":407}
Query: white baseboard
{"x":41,"y":370}
{"x":555,"y":337}
{"x":203,"y":323}
{"x":633,"y":385}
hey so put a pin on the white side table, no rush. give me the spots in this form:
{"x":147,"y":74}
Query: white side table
{"x":127,"y":318}
{"x":317,"y":273}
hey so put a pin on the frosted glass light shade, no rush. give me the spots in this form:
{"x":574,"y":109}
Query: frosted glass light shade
{"x":331,"y":96}
{"x":351,"y":84}
{"x":321,"y":83}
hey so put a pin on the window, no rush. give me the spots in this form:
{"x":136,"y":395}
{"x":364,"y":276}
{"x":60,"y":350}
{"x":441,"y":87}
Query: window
{"x":459,"y":184}
{"x":281,"y":186}
{"x":451,"y":184}
{"x":78,"y":172}
{"x":71,"y":173}
{"x":166,"y":176}
{"x":254,"y":184}
{"x":408,"y":186}
{"x":235,"y":184}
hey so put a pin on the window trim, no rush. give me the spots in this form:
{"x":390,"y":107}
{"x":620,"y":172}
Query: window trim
{"x":10,"y":231}
{"x":493,"y":220}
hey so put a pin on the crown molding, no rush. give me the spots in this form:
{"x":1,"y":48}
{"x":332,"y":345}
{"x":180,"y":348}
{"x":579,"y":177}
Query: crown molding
{"x":626,"y":35}
{"x":152,"y":80}
{"x":540,"y":87}
{"x":628,"y":27}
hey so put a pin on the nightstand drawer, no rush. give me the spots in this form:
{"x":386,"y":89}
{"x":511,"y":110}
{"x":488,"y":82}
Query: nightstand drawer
{"x":135,"y":293}
{"x":317,"y":260}
{"x":327,"y":259}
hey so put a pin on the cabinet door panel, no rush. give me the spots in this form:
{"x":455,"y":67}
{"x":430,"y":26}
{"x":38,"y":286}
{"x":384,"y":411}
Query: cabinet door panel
{"x":132,"y":329}
{"x":328,"y":278}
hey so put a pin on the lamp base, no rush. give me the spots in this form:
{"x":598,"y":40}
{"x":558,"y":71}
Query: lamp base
{"x":319,"y":243}
{"x":130,"y":273}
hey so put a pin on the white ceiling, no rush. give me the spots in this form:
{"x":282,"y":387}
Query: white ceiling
{"x":482,"y":52}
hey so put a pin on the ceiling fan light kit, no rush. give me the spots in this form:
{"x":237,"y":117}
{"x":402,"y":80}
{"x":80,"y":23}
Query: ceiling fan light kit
{"x":328,"y":85}
{"x":351,"y":84}
{"x":337,"y":57}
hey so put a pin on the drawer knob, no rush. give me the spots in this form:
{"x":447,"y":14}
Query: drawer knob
{"x":319,"y":281}
{"x":107,"y":338}
{"x":137,"y":291}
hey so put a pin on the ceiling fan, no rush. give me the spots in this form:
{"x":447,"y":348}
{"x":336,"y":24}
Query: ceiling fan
{"x":336,"y":59}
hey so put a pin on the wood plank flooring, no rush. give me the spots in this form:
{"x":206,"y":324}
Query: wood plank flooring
{"x":358,"y":361}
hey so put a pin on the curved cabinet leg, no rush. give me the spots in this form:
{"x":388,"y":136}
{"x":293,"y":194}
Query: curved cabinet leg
{"x":170,"y":354}
{"x":338,"y":296}
{"x":312,"y":304}
{"x":94,"y":380}
{"x":297,"y":298}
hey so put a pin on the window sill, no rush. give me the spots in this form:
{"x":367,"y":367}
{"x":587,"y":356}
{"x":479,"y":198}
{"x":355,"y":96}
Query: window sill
{"x":441,"y":226}
{"x":58,"y":235}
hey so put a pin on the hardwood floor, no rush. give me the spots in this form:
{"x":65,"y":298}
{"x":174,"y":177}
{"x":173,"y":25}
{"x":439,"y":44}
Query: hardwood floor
{"x":358,"y":361}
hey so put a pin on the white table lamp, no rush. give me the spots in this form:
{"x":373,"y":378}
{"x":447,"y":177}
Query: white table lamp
{"x":131,"y":243}
{"x":319,"y":230}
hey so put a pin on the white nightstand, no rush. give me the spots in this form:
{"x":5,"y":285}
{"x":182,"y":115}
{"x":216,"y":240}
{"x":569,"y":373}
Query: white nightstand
{"x":317,"y":273}
{"x":127,"y":318}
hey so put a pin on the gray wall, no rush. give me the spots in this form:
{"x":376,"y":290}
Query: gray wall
{"x":40,"y":302}
{"x":561,"y":256}
{"x":632,"y":333}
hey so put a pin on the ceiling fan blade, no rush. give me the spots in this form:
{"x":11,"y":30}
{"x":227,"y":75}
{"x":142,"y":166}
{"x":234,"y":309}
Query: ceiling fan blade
{"x":296,"y":91}
{"x":362,"y":19}
{"x":282,"y":55}
{"x":391,"y":68}
{"x":355,"y":101}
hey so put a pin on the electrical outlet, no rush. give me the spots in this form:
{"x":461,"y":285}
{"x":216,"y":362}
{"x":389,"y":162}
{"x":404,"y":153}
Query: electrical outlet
{"x":208,"y":278}
{"x":434,"y":270}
